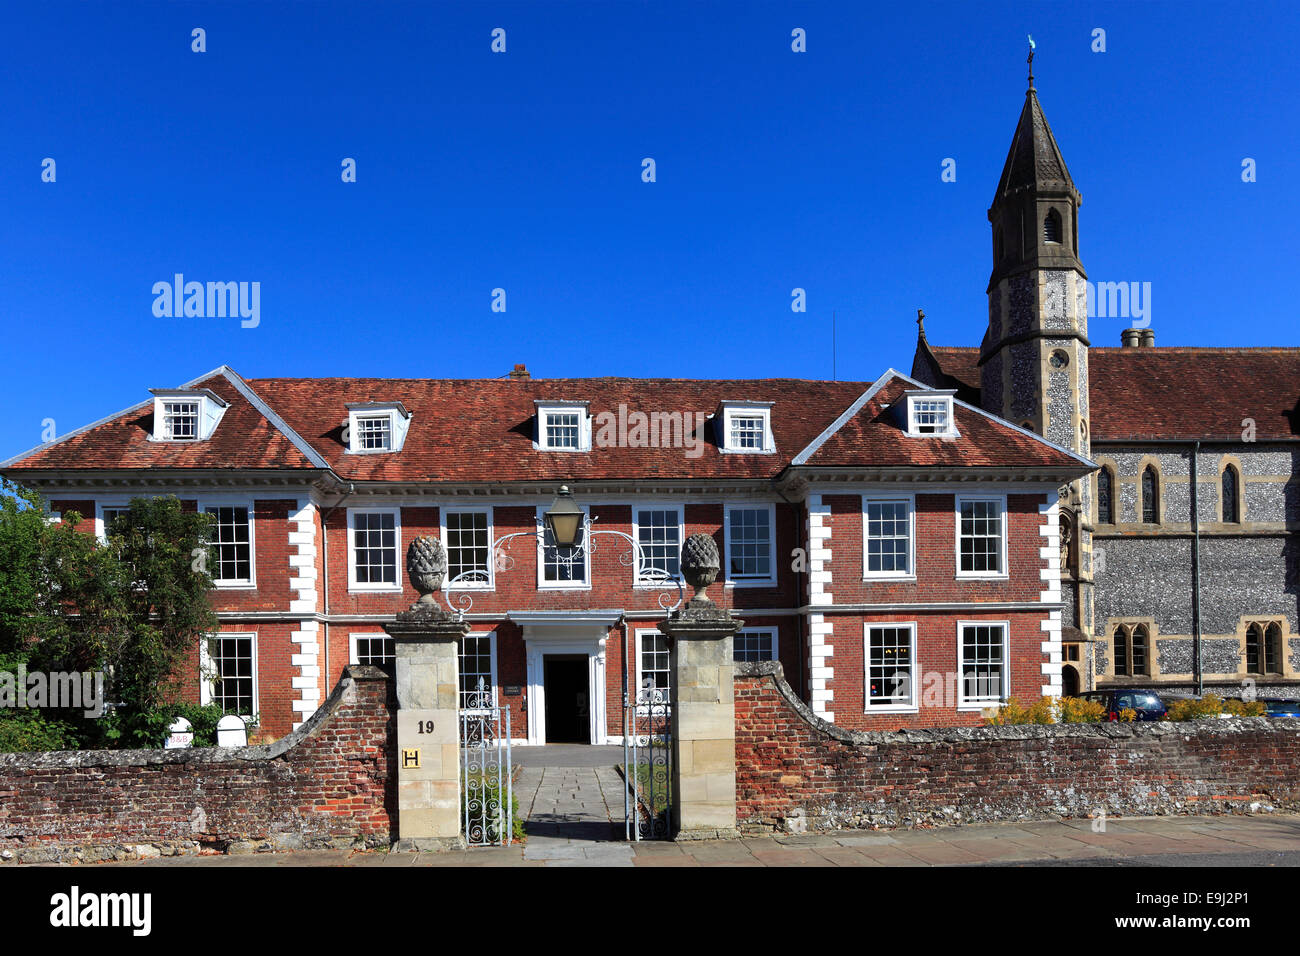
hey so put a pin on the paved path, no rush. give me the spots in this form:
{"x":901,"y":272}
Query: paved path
{"x":1160,"y":841}
{"x":573,"y":815}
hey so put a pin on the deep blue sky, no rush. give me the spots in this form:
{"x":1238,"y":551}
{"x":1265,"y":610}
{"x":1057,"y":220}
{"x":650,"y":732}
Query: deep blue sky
{"x":523,"y":171}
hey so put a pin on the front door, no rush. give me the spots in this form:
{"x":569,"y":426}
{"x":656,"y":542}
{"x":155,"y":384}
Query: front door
{"x":568,"y":717}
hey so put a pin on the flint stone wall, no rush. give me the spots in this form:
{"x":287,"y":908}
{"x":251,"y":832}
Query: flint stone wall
{"x":795,"y":772}
{"x":327,"y":784}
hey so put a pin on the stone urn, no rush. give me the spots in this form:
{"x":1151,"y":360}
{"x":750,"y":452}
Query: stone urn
{"x":426,"y":566}
{"x":700,"y":564}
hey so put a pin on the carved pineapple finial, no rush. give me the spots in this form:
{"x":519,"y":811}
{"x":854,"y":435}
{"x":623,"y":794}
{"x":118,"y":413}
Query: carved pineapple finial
{"x":700,"y":564}
{"x":426,"y":566}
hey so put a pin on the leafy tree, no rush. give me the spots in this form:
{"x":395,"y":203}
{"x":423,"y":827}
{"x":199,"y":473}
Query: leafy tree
{"x":132,"y":608}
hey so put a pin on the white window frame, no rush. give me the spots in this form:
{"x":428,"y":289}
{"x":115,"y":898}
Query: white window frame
{"x":545,"y":585}
{"x":353,"y":637}
{"x":910,"y":574}
{"x":640,"y":634}
{"x":207,"y":667}
{"x":748,"y":582}
{"x":964,"y":703}
{"x":544,"y":411}
{"x":732,"y":410}
{"x":236,"y":585}
{"x":1003,"y":555}
{"x":386,"y":430}
{"x":943,"y":397}
{"x":649,"y":583}
{"x":770,"y":632}
{"x":912,"y":706}
{"x":491,"y":583}
{"x":366,"y":586}
{"x":492,"y":665}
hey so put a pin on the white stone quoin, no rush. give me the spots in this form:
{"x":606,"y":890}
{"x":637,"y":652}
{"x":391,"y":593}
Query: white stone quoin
{"x":302,"y":582}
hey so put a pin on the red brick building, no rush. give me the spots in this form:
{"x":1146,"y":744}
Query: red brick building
{"x":895,"y":548}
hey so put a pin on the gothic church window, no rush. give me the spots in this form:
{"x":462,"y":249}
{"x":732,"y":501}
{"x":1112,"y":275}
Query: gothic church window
{"x":1263,"y":648}
{"x":1131,"y":650}
{"x":1231,"y":512}
{"x":1105,"y":496}
{"x":1150,"y":496}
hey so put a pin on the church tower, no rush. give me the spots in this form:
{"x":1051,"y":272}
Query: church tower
{"x":1034,"y":357}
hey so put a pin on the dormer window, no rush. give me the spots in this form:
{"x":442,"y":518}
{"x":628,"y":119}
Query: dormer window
{"x":185,"y":414}
{"x":375,"y":428}
{"x":375,"y":432}
{"x":563,"y":426}
{"x":930,"y":415}
{"x":180,"y":421}
{"x":747,"y":428}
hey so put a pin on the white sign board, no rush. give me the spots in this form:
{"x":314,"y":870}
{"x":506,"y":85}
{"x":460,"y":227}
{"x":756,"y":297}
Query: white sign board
{"x":231,"y":732}
{"x":182,"y":735}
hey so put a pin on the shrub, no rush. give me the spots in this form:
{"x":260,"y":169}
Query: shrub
{"x":1048,"y":710}
{"x":1211,"y":705}
{"x":1128,"y":715}
{"x":1244,"y":708}
{"x":29,"y":731}
{"x":1077,"y":710}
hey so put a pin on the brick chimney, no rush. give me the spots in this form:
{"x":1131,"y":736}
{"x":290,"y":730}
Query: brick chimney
{"x":520,"y":372}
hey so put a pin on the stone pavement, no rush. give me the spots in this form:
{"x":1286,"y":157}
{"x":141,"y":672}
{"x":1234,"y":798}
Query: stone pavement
{"x":1185,"y":841}
{"x":573,"y":815}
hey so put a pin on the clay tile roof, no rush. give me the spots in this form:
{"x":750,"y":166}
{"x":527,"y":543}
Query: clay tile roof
{"x":877,"y":435}
{"x":1175,"y":392}
{"x":1194,"y":393}
{"x":482,"y":430}
{"x":244,"y":439}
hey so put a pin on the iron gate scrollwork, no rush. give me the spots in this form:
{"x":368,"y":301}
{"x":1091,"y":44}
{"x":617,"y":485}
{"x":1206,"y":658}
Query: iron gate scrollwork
{"x":487,"y":790}
{"x":647,"y":758}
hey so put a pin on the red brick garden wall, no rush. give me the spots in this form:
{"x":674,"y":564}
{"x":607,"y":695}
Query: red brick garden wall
{"x":329,"y":783}
{"x":796,"y":772}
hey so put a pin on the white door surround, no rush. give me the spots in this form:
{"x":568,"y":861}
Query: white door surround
{"x":566,"y":632}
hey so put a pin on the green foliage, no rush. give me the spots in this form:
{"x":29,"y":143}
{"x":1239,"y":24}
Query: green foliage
{"x":132,"y":608}
{"x":489,"y":794}
{"x":1212,"y":705}
{"x":1244,"y":708}
{"x":1079,"y":710}
{"x":1048,"y":710}
{"x":32,"y":730}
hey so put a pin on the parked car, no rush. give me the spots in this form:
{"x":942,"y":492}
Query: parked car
{"x":1279,"y":706}
{"x":1147,"y":704}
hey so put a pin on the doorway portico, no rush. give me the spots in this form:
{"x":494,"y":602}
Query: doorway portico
{"x":564,"y":640}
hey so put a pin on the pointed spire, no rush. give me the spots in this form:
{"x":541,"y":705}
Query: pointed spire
{"x":1034,"y":160}
{"x":920,"y":324}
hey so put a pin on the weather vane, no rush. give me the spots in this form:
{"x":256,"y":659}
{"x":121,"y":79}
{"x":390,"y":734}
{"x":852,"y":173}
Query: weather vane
{"x":1030,"y":61}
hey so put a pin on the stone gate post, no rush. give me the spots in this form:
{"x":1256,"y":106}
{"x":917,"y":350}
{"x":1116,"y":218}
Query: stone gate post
{"x":427,"y":652}
{"x":703,"y":703}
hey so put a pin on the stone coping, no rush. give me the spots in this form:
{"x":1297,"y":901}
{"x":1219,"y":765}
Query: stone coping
{"x":343,"y":691}
{"x":1211,"y":726}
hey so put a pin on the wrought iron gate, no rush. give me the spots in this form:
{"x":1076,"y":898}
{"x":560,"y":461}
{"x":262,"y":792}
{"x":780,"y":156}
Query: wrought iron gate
{"x":487,"y":790}
{"x":647,"y":760}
